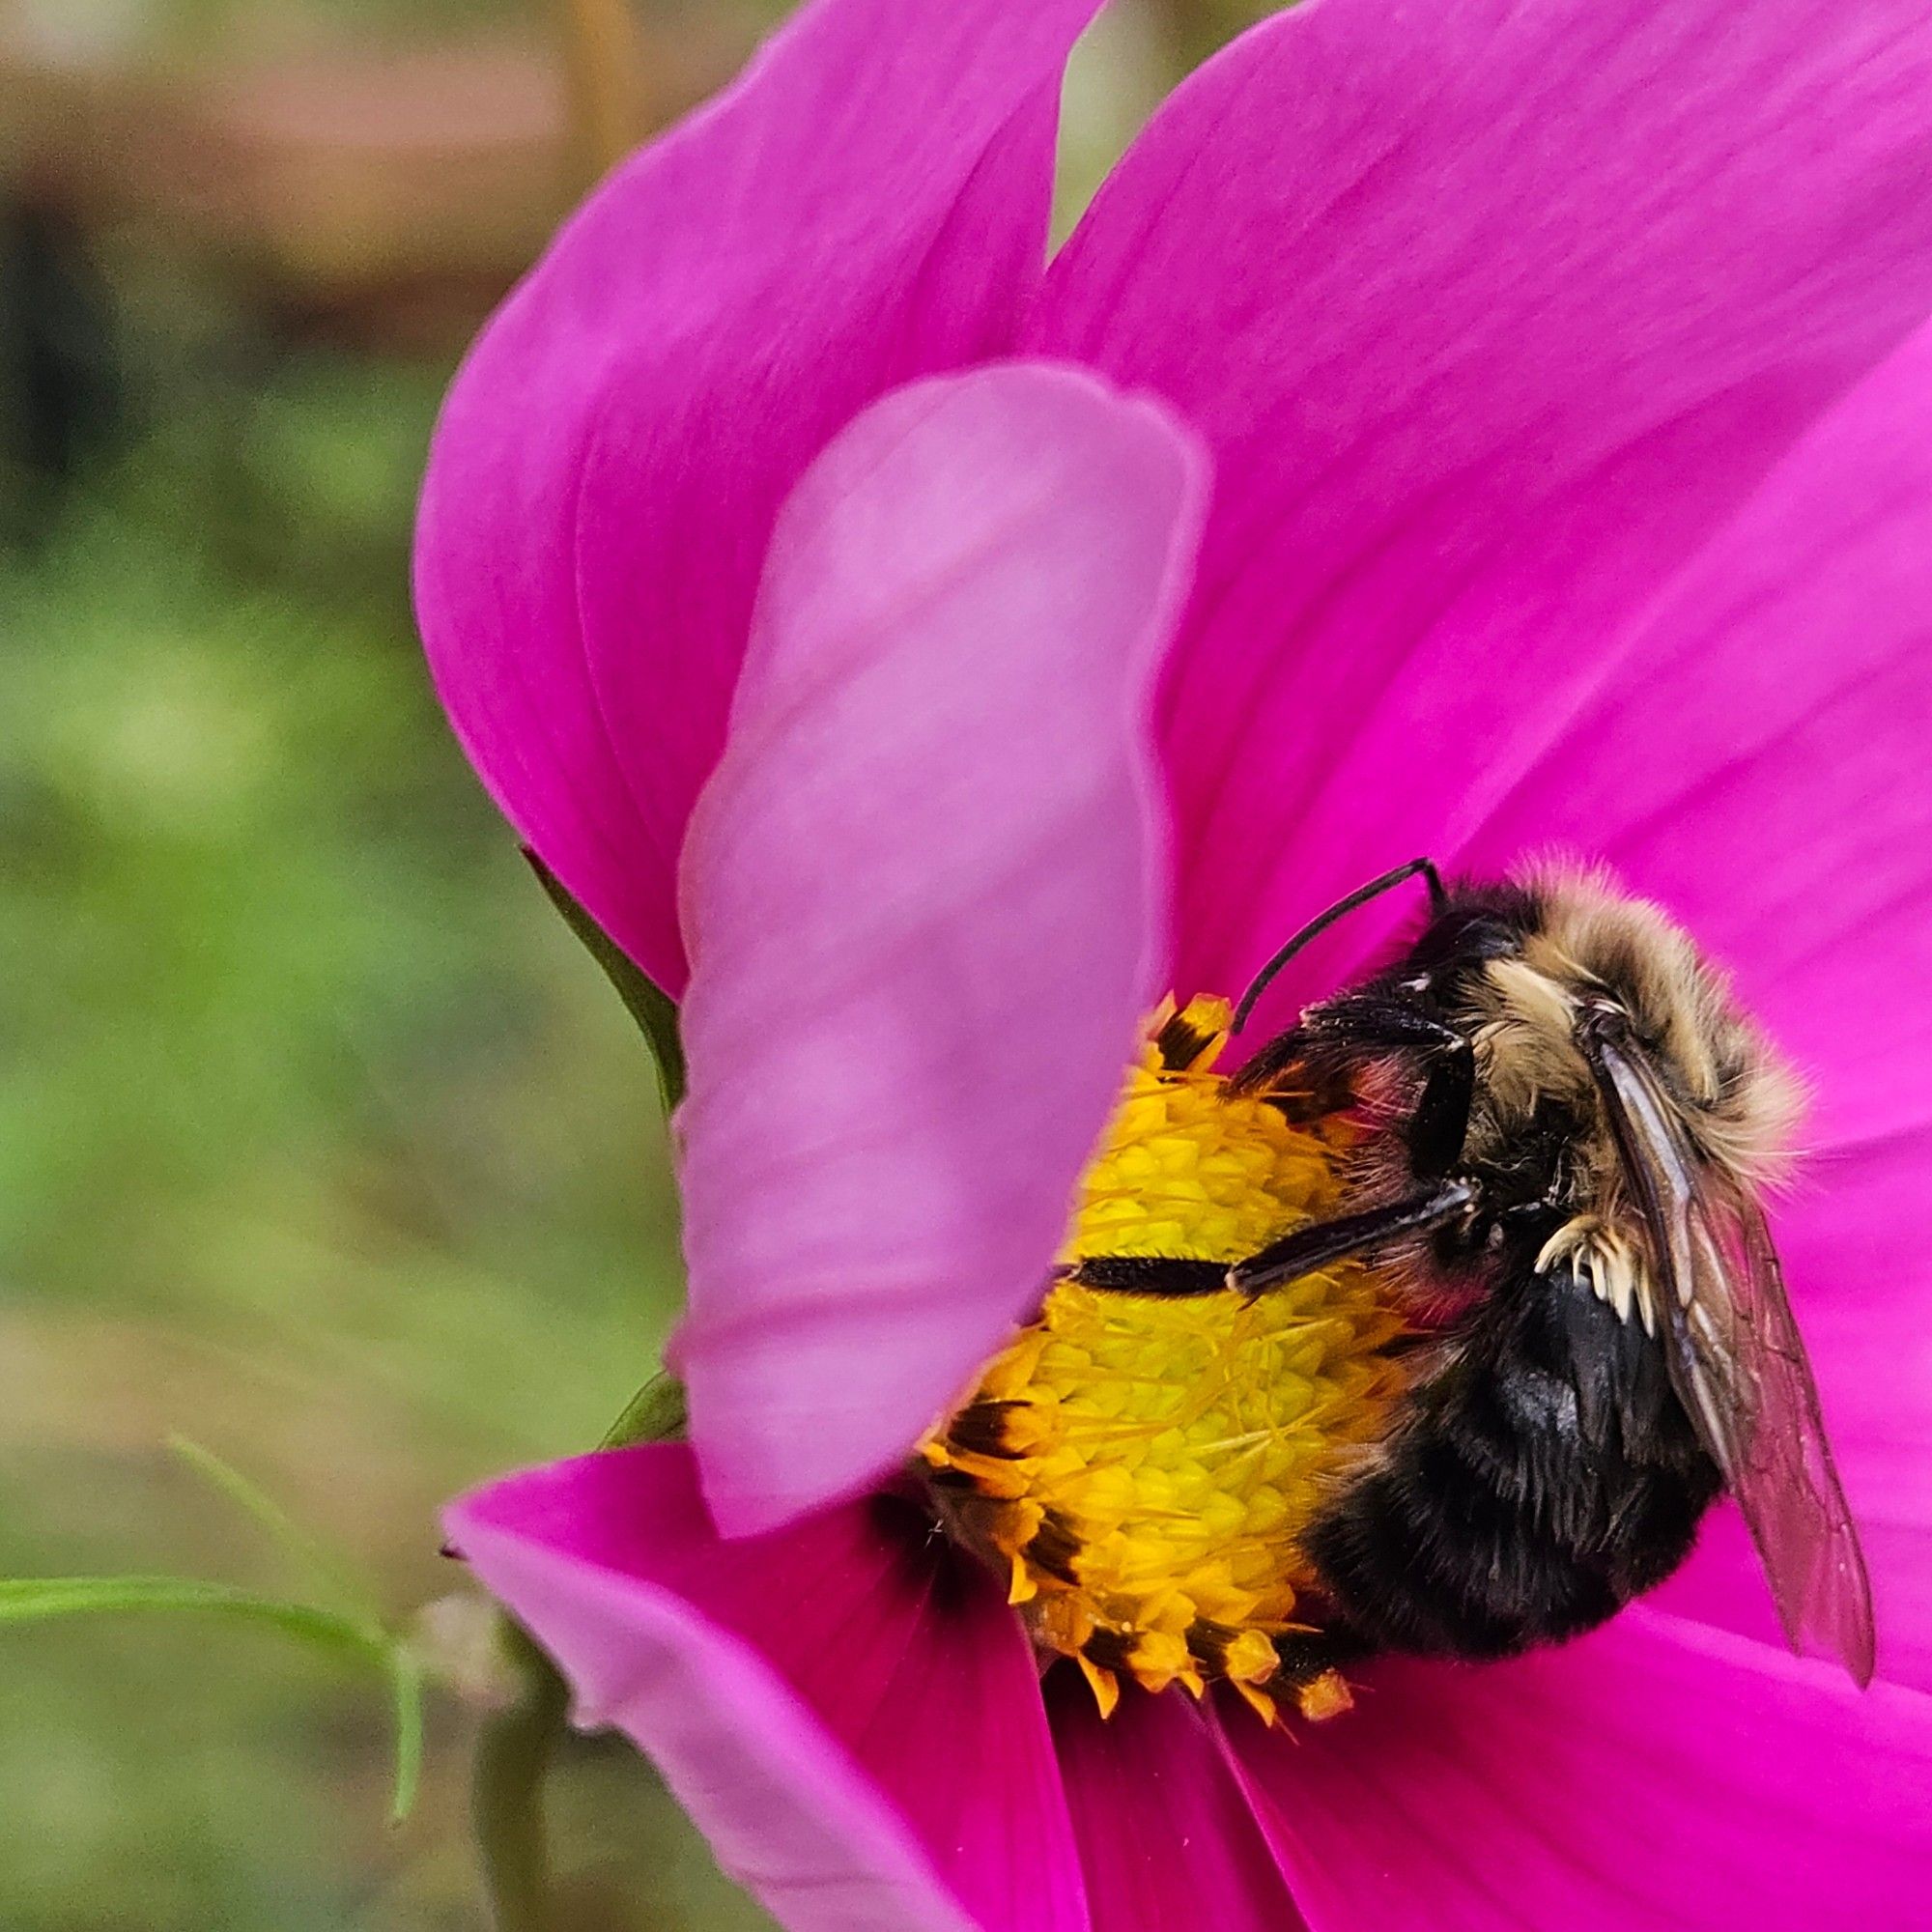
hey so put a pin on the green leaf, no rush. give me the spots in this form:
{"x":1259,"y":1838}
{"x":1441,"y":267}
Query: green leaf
{"x":27,"y":1599}
{"x":31,"y":1599}
{"x":337,"y":1579}
{"x":648,"y":1003}
{"x":656,"y":1413}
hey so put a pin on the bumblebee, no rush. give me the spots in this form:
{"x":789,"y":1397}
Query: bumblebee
{"x":1568,"y":1128}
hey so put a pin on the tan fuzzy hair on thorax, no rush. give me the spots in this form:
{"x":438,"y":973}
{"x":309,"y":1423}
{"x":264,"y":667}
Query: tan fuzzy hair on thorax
{"x":1737,"y":1098}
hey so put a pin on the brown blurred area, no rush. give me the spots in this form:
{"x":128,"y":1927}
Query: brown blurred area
{"x":357,"y":171}
{"x":321,"y":1143}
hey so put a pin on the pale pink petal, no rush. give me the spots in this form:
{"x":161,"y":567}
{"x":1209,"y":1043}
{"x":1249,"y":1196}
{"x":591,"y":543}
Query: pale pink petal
{"x":1654,"y":1775}
{"x":1166,"y":1836}
{"x":868,"y":203}
{"x":846,"y":1707}
{"x":924,"y":903}
{"x":1491,"y":314}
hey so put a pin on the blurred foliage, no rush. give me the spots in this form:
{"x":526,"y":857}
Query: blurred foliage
{"x":321,"y":1141}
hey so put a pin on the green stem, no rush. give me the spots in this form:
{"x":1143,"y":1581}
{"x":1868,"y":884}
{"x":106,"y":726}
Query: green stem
{"x":513,"y":1753}
{"x":517,"y":1743}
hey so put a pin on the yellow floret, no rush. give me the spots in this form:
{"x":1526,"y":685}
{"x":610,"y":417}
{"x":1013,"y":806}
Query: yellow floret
{"x":1142,"y":1466}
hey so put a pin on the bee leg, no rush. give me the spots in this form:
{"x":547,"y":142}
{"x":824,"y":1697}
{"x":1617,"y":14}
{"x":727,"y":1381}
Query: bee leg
{"x":1150,"y":1274}
{"x":1310,"y":1677}
{"x":1314,"y":1059}
{"x":1440,"y":1121}
{"x":1309,"y":1248}
{"x":1366,"y":1026}
{"x":1373,"y":1025}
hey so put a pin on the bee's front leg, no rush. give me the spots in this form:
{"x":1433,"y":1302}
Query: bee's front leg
{"x":1309,"y":1248}
{"x":1359,"y":1027}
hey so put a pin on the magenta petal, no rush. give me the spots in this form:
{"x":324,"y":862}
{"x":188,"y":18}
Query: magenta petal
{"x":1491,"y":314}
{"x":1855,"y":1249}
{"x":1166,"y":1835}
{"x":1723,"y":1585}
{"x":845,"y":1707}
{"x":1654,"y":1775}
{"x":924,"y":902}
{"x":1756,"y":758}
{"x":868,"y":203}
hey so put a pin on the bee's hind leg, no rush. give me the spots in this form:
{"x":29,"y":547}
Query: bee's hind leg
{"x":1310,"y":1677}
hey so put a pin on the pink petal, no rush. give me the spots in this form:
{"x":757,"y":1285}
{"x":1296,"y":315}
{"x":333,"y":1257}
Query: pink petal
{"x":846,"y":1707}
{"x":1854,"y":1245}
{"x":1654,"y":1775}
{"x":922,"y":897}
{"x":1722,"y":1585}
{"x":1166,"y":1835}
{"x":868,"y":203}
{"x":1756,"y":757}
{"x":1491,"y":314}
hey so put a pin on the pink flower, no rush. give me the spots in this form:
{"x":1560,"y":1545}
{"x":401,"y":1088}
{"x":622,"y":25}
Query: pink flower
{"x":1564,"y":378}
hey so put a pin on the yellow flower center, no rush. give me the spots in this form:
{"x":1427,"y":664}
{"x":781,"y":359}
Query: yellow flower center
{"x":1142,"y":1466}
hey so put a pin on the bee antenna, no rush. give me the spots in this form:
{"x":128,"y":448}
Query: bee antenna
{"x":1439,"y":898}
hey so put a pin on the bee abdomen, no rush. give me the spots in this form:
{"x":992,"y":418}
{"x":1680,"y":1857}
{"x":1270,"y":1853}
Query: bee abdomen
{"x":1544,"y":1478}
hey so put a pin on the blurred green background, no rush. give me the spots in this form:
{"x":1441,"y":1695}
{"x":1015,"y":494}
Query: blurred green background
{"x":321,"y":1142}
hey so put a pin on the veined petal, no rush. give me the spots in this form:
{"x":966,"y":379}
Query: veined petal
{"x":1166,"y":1835}
{"x":1854,"y":1246}
{"x":923,"y":899}
{"x":1491,"y":314}
{"x":868,"y":204}
{"x":846,"y":1707}
{"x":1755,"y":756}
{"x":1653,"y":1775}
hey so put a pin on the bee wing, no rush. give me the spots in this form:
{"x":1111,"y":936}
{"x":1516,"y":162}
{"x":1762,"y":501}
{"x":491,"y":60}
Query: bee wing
{"x":1739,"y":1366}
